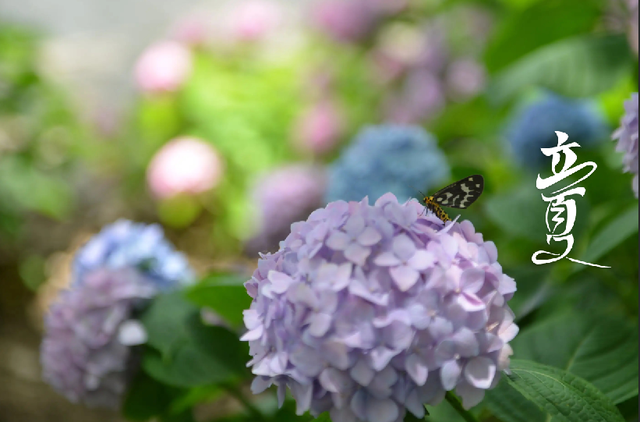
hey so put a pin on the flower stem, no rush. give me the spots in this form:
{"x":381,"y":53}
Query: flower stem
{"x":455,"y":403}
{"x":237,"y":394}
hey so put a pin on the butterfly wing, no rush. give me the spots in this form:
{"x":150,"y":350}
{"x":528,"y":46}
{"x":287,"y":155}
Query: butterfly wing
{"x":460,"y":194}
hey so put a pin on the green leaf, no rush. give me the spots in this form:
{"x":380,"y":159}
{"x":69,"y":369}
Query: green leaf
{"x":145,"y":398}
{"x":189,"y":367}
{"x":520,"y":213}
{"x":542,"y":23}
{"x":224,"y":293}
{"x":165,"y":321}
{"x":563,"y":395}
{"x":603,"y":351}
{"x":509,"y":405}
{"x":576,"y":67}
{"x":183,"y":351}
{"x":614,"y":233}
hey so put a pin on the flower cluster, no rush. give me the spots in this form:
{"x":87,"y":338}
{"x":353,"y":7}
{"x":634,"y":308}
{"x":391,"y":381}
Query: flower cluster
{"x":163,"y":67}
{"x":283,"y":197}
{"x":627,"y":136}
{"x":534,"y":127}
{"x":370,"y":311}
{"x":185,"y":165}
{"x":126,"y":244}
{"x":396,"y":159}
{"x":86,"y":352}
{"x":352,"y":20}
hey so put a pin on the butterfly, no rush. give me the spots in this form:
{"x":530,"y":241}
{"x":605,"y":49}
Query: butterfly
{"x":459,"y":195}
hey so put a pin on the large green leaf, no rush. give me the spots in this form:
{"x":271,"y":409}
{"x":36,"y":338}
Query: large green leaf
{"x":165,"y":321}
{"x":183,"y":351}
{"x":145,"y":398}
{"x":542,"y":23}
{"x":223,"y":293}
{"x":611,"y":235}
{"x":519,"y":213}
{"x":509,"y":405}
{"x":189,"y":367}
{"x":564,"y":396}
{"x":603,"y":351}
{"x":575,"y":67}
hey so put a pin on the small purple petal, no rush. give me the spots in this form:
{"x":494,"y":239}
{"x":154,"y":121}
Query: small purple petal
{"x":480,"y":371}
{"x":362,"y":373}
{"x":338,"y":241}
{"x":357,"y":254}
{"x":384,"y":410}
{"x":403,"y":247}
{"x":369,"y":237}
{"x":422,"y":260}
{"x":404,"y":277}
{"x":387,"y":259}
{"x":416,"y":369}
{"x":449,"y":374}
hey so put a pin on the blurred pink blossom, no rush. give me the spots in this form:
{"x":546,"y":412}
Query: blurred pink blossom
{"x":421,"y":98}
{"x":320,"y":127}
{"x":465,"y":78}
{"x":184,"y":165}
{"x":344,"y":20}
{"x":190,"y":30}
{"x":252,"y":20}
{"x":163,"y":66}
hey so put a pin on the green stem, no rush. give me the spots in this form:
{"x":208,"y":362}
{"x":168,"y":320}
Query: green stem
{"x":455,"y":403}
{"x":237,"y":394}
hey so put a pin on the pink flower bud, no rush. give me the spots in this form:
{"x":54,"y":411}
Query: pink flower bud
{"x":164,"y":66}
{"x":184,"y":165}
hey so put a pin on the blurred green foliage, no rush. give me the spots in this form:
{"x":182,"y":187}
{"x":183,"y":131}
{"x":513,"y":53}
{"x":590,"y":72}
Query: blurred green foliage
{"x":578,"y":324}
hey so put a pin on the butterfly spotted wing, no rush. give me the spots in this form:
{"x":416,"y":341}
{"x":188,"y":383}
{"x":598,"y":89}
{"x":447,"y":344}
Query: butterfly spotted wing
{"x":460,"y":194}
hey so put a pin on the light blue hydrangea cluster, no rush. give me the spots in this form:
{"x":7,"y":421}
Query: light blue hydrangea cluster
{"x":125,"y":244}
{"x":402,"y":160}
{"x":86,"y":352}
{"x":533,"y":127}
{"x":371,"y":311}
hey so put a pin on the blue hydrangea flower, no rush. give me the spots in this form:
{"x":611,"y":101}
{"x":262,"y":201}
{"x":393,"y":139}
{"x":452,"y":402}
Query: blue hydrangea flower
{"x":397,"y":159}
{"x":126,"y":244}
{"x":533,"y":127}
{"x":370,"y":311}
{"x":86,"y":352}
{"x":627,"y":136}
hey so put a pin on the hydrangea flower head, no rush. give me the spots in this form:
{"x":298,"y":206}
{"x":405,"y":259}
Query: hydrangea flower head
{"x":534,"y":126}
{"x":627,"y":136}
{"x":371,"y":311}
{"x":86,"y":353}
{"x":163,"y":67}
{"x":282,"y":197}
{"x":125,"y":244}
{"x":387,"y":158}
{"x":87,"y":350}
{"x":185,"y":165}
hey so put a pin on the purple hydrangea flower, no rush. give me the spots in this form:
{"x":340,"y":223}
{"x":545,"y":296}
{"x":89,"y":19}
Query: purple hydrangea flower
{"x":86,"y":353}
{"x":282,"y":197}
{"x":126,"y":244}
{"x":627,"y":136}
{"x":370,"y":311}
